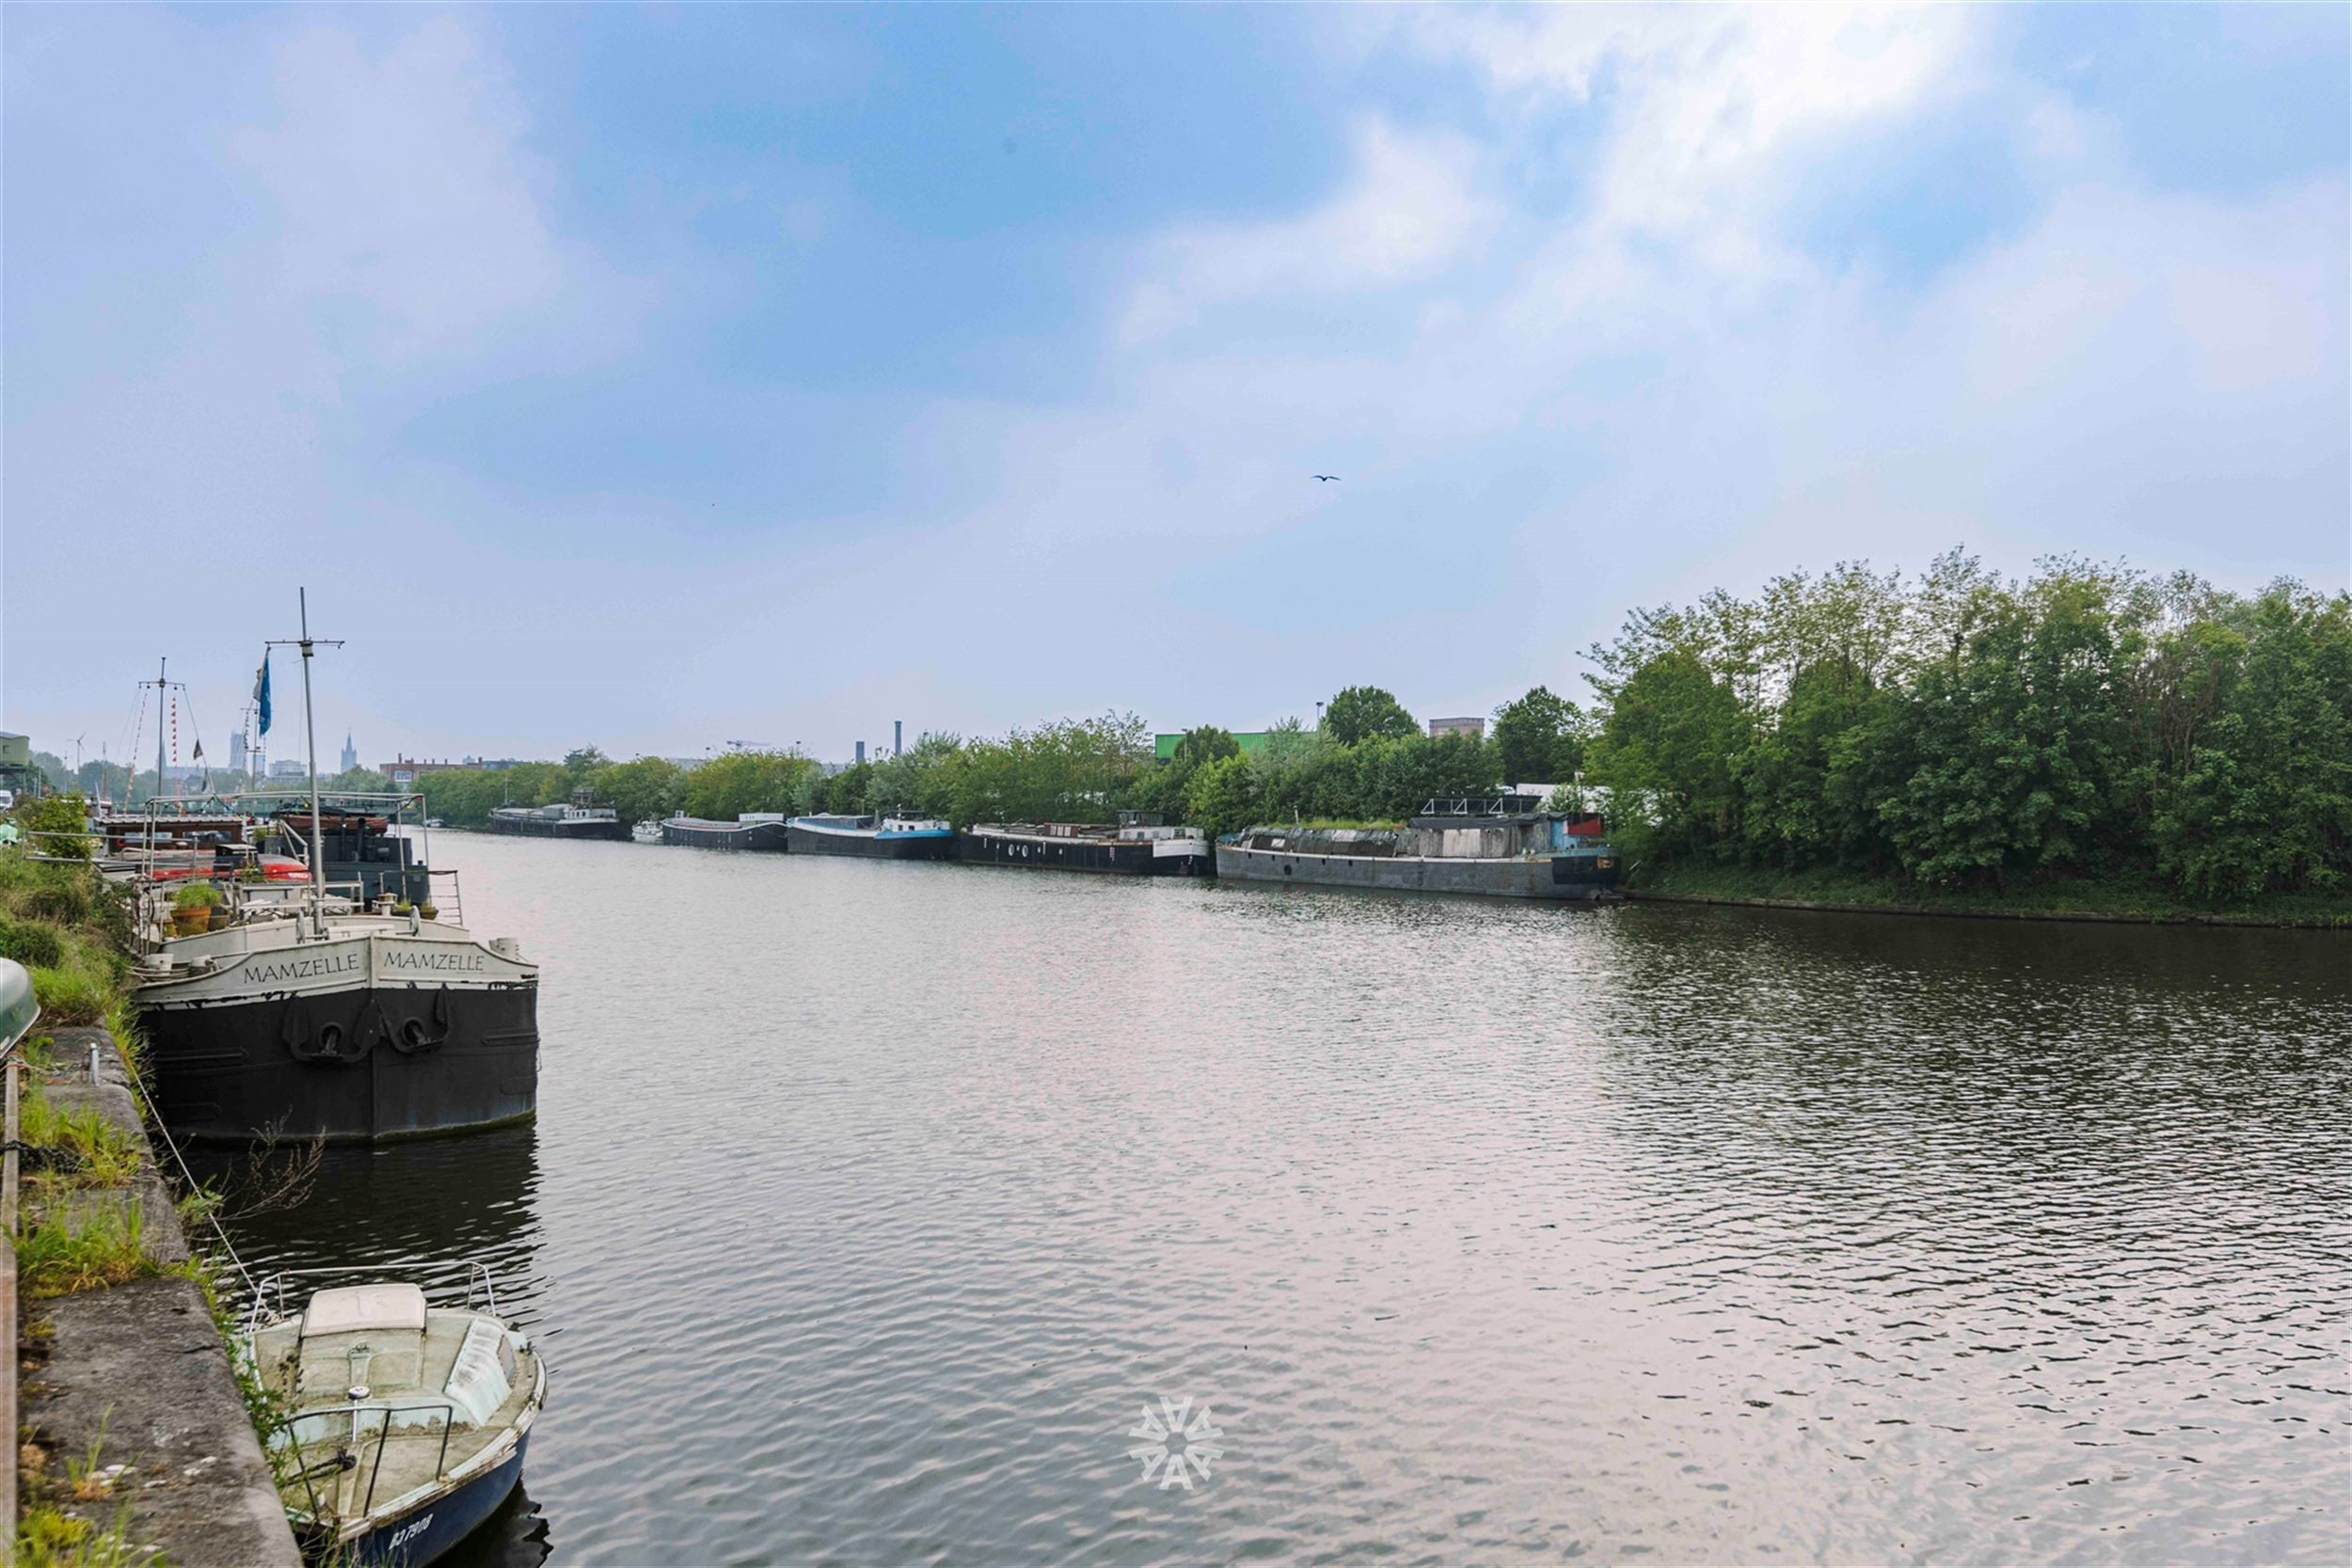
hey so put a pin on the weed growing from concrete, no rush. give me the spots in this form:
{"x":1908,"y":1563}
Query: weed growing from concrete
{"x":47,"y":1537}
{"x":86,"y":1149}
{"x":61,"y":1253}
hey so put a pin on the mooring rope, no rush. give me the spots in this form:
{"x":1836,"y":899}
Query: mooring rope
{"x":212,"y":1215}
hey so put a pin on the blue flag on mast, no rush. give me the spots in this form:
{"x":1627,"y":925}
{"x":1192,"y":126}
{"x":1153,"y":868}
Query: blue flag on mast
{"x":261,"y":693}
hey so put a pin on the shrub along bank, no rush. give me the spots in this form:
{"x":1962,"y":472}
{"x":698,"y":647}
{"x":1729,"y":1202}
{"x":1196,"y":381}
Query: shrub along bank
{"x":106,"y":1284}
{"x":2087,"y":737}
{"x":66,"y":924}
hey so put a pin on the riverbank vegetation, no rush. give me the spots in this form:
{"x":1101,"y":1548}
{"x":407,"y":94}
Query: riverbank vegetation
{"x":1960,"y":734}
{"x":68,"y":926}
{"x":2087,"y":733}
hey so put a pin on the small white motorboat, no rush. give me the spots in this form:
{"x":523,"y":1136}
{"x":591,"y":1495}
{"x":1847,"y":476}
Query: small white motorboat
{"x":406,"y":1422}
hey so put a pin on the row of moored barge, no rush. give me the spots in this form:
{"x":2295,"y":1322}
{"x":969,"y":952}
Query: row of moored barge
{"x":1138,"y":845}
{"x":1499,"y":846}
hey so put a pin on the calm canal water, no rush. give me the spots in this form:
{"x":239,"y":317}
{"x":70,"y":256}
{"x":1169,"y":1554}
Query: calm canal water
{"x":870,"y":1204}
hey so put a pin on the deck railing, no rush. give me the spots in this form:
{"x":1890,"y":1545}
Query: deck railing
{"x":347,"y":1458}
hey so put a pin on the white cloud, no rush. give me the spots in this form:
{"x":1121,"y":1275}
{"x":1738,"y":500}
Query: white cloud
{"x":1677,"y":393}
{"x":410,"y":228}
{"x":1410,"y":210}
{"x":1701,"y":101}
{"x":1544,"y":414}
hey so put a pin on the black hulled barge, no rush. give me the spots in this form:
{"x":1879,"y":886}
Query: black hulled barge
{"x":1139,"y":845}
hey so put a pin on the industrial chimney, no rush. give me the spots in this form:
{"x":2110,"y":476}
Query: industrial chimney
{"x":897,"y":736}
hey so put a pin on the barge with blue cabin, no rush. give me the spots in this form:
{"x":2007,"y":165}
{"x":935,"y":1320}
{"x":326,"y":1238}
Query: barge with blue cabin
{"x":893,"y":838}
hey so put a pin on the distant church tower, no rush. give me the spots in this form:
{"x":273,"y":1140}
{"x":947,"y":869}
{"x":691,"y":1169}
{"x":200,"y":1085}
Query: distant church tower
{"x":351,"y":754}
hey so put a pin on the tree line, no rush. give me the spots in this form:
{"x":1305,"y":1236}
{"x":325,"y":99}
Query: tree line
{"x":1961,"y":730}
{"x":1955,"y":730}
{"x":1368,"y":762}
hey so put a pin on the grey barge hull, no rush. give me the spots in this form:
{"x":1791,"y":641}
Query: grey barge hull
{"x":1553,"y":876}
{"x":604,"y":828}
{"x":695,"y":834}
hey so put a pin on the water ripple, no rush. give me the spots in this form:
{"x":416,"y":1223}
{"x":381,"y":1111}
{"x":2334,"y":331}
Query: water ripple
{"x":870,"y":1204}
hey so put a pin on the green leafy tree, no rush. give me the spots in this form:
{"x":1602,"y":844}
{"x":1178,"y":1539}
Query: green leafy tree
{"x":2260,"y":794}
{"x":1223,"y":796}
{"x":99,"y":777}
{"x":53,"y":825}
{"x":1361,"y":712}
{"x":1667,"y":751}
{"x":1159,"y":787}
{"x":726,"y":787}
{"x":915,"y":779}
{"x":850,"y":791}
{"x":1070,"y":770}
{"x":580,"y":767}
{"x":644,"y":790}
{"x":1204,"y":743}
{"x":1539,"y":738}
{"x":1802,"y":807}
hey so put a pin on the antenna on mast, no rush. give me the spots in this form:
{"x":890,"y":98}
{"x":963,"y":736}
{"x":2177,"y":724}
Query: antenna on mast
{"x":309,"y":735}
{"x":163,"y":700}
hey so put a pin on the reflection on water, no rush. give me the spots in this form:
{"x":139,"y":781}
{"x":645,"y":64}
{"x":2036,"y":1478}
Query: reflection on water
{"x":870,"y":1202}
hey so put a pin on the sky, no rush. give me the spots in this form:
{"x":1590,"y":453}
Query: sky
{"x":667,"y":378}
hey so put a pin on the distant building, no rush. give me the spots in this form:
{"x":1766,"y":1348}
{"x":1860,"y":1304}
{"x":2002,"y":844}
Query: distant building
{"x":287,"y":769}
{"x":409,"y":770}
{"x":236,"y":753}
{"x":1475,"y":728}
{"x":351,"y":754}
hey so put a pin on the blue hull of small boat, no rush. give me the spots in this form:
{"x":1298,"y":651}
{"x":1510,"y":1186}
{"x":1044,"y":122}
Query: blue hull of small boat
{"x":428,"y":1532}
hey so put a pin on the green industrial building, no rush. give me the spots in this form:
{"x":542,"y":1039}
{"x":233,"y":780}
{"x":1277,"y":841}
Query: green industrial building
{"x":1163,"y":746}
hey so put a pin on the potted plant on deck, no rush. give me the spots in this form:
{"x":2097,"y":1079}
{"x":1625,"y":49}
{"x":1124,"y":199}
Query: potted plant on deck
{"x":194,"y":908}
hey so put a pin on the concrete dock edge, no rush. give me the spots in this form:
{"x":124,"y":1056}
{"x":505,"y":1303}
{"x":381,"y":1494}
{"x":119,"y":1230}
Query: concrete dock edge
{"x":139,"y":1371}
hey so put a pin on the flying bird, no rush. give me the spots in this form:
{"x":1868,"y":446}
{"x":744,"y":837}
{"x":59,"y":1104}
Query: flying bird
{"x":1328,"y":478}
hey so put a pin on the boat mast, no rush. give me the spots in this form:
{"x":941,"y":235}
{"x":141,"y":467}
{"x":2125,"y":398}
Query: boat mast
{"x":305,"y":643}
{"x":162,"y":696}
{"x":310,"y":739}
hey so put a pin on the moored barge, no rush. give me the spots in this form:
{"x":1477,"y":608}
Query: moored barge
{"x":1468,"y":845}
{"x":318,"y":1020}
{"x":896,"y":838}
{"x":1139,"y":846}
{"x":758,"y":832}
{"x":574,"y":820}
